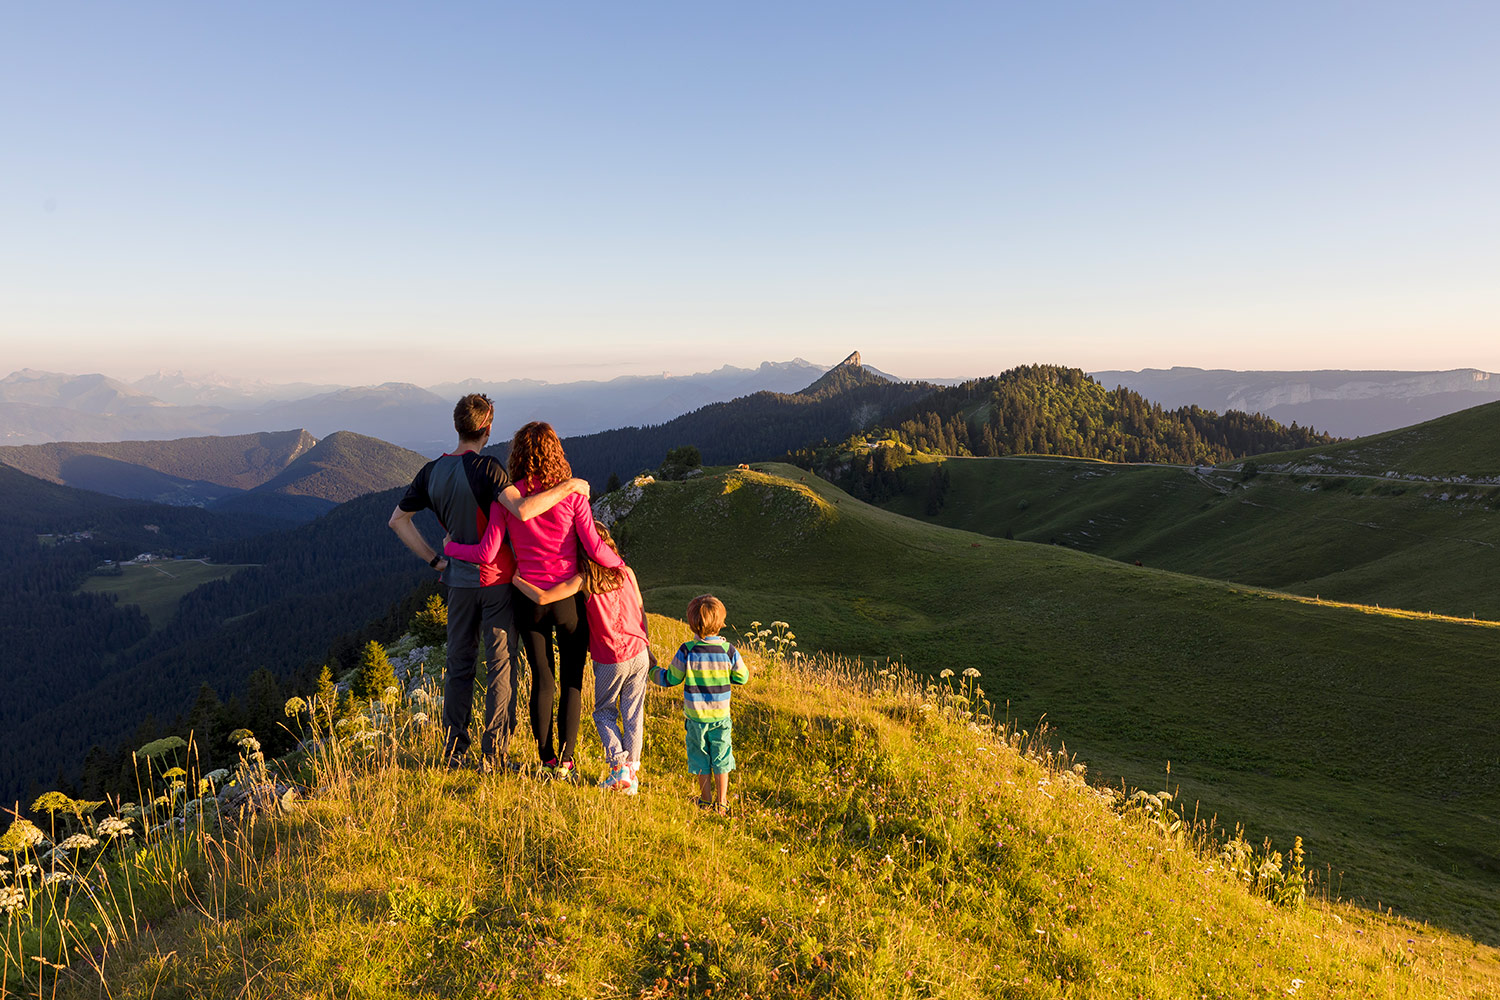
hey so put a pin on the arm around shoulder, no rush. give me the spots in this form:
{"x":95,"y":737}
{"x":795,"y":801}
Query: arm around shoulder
{"x":527,"y":507}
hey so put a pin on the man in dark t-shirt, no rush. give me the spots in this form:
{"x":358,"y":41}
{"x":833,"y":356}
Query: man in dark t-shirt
{"x":459,"y":488}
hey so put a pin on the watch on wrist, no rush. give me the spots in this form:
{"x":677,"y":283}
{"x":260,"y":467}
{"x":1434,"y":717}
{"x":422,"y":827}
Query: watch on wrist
{"x":435,"y":560}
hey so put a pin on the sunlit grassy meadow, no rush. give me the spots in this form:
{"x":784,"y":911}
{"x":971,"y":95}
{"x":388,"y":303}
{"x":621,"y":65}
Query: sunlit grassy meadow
{"x":889,"y":841}
{"x":1413,"y":545}
{"x":1371,"y":736}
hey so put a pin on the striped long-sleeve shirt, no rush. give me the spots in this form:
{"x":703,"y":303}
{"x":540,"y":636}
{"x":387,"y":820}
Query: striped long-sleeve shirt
{"x":705,"y":668}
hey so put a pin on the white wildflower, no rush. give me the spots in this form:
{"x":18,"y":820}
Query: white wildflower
{"x":391,"y":691}
{"x":419,"y":718}
{"x":12,"y":900}
{"x":971,"y":672}
{"x":946,"y":673}
{"x":78,"y":842}
{"x":27,"y":870}
{"x":56,"y":878}
{"x":250,"y":744}
{"x":115,"y":827}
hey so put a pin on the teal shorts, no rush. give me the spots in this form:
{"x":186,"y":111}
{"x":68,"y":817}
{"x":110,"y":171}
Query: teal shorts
{"x":709,"y":748}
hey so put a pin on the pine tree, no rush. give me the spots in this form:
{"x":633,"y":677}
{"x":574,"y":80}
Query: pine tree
{"x":326,"y":698}
{"x":375,"y":672}
{"x":205,"y":722}
{"x":430,"y":625}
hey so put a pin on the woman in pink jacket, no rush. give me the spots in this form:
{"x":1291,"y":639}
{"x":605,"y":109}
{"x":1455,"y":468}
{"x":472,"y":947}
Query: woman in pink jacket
{"x":546,"y":549}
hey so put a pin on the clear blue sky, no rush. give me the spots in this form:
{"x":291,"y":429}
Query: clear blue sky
{"x":400,"y":191}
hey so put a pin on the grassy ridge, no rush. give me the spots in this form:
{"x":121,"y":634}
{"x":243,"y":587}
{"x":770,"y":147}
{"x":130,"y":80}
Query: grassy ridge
{"x":1450,"y":446}
{"x":1372,"y":737}
{"x":1394,"y":543}
{"x":880,"y":849}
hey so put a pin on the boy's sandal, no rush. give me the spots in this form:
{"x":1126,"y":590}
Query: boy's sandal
{"x":705,"y":804}
{"x":722,"y":808}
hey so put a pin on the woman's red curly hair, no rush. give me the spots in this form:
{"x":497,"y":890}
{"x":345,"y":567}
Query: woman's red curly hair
{"x":536,"y":454}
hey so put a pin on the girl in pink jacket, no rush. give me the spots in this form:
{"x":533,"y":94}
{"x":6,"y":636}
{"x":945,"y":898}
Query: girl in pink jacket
{"x":621,"y":654}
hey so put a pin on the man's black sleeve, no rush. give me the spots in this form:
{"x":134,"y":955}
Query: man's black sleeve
{"x":416,"y":497}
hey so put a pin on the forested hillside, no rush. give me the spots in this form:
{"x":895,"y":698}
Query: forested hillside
{"x":312,"y":589}
{"x":845,"y":400}
{"x":1048,"y":410}
{"x":342,"y":466}
{"x":54,"y":640}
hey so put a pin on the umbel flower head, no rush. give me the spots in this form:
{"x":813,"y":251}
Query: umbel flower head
{"x":23,"y":834}
{"x":53,"y":802}
{"x":946,"y":673}
{"x":971,"y":672}
{"x":79,"y":841}
{"x":294,"y":707}
{"x":115,"y":827}
{"x":12,"y":899}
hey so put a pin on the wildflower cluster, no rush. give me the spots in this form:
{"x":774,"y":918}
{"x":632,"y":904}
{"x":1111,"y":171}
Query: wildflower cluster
{"x":1264,"y":871}
{"x":778,"y":642}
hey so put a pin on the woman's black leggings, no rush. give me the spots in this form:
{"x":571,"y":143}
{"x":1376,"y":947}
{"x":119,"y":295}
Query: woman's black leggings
{"x":536,"y":624}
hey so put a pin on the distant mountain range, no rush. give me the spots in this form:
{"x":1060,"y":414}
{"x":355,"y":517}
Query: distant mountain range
{"x":39,"y":407}
{"x":1342,"y":403}
{"x":288,"y":475}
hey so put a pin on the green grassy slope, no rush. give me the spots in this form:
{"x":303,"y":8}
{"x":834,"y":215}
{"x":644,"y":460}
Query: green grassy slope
{"x":1457,"y":445}
{"x":1393,"y":543}
{"x":1373,"y":737}
{"x":157,"y":587}
{"x":880,"y":849}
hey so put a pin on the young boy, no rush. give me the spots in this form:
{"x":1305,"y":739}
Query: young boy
{"x":706,"y":667}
